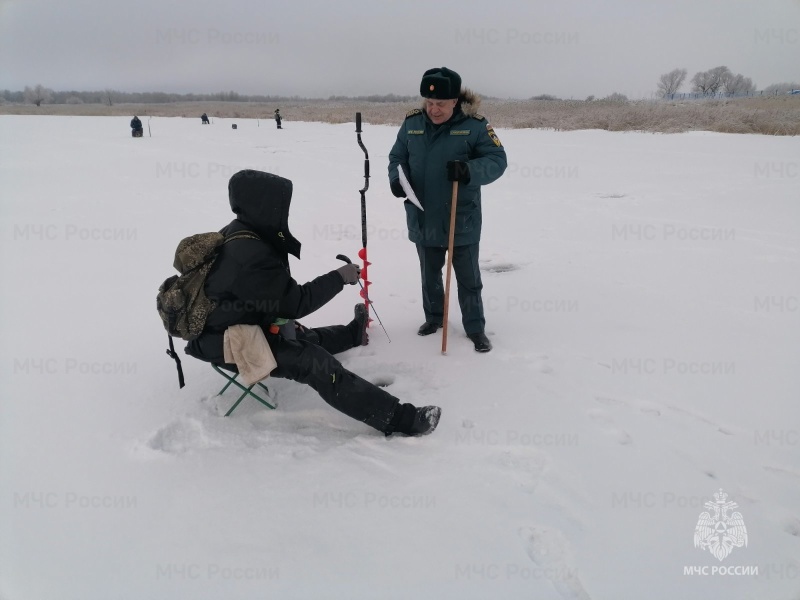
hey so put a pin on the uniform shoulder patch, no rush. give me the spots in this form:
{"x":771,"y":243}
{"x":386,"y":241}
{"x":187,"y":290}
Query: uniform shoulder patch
{"x":479,"y":117}
{"x":411,"y":113}
{"x":493,"y":135}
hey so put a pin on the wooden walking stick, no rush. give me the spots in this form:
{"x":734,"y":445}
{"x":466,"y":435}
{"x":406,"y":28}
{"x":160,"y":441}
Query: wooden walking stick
{"x":450,"y":241}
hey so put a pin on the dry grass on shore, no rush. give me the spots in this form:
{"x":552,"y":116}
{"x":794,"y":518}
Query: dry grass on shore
{"x":767,"y":115}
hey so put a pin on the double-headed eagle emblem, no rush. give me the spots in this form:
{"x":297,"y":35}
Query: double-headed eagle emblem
{"x":720,"y":533}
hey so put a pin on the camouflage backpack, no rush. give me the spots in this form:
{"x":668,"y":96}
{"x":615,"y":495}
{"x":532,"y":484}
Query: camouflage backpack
{"x":181,"y":301}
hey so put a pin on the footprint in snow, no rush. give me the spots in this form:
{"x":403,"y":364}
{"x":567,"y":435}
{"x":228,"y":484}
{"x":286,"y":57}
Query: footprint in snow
{"x":181,"y":436}
{"x":608,"y":426}
{"x":610,"y":401}
{"x":549,"y":550}
{"x":720,"y":428}
{"x":525,"y":466}
{"x":792,"y":527}
{"x":782,"y":472}
{"x":500,"y":268}
{"x":540,"y":364}
{"x":535,"y":362}
{"x":650,"y":409}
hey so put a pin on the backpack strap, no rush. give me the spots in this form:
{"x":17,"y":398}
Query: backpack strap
{"x":241,"y":235}
{"x":172,"y":354}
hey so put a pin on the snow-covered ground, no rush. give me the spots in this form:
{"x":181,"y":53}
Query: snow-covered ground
{"x":642,"y":296}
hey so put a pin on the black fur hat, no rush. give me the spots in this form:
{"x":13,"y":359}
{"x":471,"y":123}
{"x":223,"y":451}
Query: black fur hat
{"x":440,"y":83}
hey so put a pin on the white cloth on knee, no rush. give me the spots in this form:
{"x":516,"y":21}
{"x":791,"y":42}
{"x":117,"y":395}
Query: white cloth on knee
{"x":246,"y":346}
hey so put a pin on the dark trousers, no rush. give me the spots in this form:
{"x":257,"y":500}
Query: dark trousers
{"x":309,"y":359}
{"x":468,"y":279}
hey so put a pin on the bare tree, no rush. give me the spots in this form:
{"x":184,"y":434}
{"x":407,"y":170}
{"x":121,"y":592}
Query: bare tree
{"x":709,"y":82}
{"x":738,"y":84}
{"x":669,"y":83}
{"x":38,"y":95}
{"x":108,"y":97}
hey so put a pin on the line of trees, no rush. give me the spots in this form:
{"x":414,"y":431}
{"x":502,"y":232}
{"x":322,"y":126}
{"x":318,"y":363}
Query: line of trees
{"x":781,"y":88}
{"x":708,"y":83}
{"x":39,"y":95}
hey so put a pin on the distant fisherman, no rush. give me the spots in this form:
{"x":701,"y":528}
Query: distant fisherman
{"x":136,"y":127}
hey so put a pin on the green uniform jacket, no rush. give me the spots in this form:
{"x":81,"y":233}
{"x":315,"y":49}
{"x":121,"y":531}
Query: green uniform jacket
{"x":423,"y":149}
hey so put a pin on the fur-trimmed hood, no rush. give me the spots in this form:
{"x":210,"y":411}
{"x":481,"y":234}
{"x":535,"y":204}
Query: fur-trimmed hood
{"x":468,"y":102}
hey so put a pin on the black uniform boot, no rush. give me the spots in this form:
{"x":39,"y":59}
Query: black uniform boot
{"x":482,"y":343}
{"x":428,"y":328}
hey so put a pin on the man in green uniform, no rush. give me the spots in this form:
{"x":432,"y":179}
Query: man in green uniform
{"x":446,"y":141}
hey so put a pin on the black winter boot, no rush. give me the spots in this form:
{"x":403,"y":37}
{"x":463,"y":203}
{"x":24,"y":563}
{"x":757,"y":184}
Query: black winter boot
{"x":413,"y":421}
{"x":359,"y":325}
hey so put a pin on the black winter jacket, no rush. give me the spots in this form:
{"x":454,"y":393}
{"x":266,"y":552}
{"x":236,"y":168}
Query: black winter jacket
{"x":250,"y":280}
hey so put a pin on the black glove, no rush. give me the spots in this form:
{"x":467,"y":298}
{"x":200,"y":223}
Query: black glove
{"x":349,"y":273}
{"x":458,"y":170}
{"x":397,"y":189}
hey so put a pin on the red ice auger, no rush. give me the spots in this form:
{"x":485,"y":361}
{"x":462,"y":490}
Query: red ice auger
{"x":362,"y":254}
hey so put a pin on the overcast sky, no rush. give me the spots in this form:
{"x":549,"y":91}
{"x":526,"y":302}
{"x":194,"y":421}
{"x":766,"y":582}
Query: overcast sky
{"x":505,"y":48}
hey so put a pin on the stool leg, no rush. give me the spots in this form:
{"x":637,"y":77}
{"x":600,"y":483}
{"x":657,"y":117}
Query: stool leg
{"x":245,"y":391}
{"x":248,"y":391}
{"x":228,"y":414}
{"x":222,"y":391}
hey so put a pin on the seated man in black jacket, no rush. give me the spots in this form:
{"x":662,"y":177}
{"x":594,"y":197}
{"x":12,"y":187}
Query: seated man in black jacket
{"x":251,"y":284}
{"x":136,"y":127}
